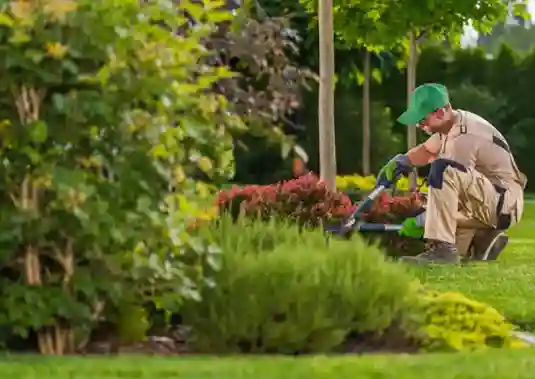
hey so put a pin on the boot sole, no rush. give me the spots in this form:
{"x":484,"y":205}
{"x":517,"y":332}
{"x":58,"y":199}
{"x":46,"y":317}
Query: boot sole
{"x":494,"y":249}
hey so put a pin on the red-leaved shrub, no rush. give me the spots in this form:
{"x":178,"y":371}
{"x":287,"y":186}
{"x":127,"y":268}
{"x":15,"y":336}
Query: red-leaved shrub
{"x":394,"y":209}
{"x":305,"y":200}
{"x":390,"y":209}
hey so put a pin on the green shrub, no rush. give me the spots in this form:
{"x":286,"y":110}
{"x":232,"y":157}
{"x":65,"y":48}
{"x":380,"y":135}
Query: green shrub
{"x":110,"y":111}
{"x":451,"y":321}
{"x":284,"y":290}
{"x":132,"y":324}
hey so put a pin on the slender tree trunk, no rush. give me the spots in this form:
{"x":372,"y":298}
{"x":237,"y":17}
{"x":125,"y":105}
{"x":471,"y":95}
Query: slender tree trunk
{"x":366,"y":115}
{"x":326,"y":95}
{"x":411,"y":85}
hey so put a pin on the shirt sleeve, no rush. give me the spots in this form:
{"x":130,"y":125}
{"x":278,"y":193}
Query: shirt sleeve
{"x":433,"y":144}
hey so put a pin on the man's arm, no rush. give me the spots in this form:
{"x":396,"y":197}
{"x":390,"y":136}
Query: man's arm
{"x":421,"y":155}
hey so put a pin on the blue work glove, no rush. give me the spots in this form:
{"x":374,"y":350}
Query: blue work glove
{"x":411,"y":228}
{"x":395,"y":167}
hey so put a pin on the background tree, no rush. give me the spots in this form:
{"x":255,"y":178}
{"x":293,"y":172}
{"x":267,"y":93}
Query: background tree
{"x":326,"y":94}
{"x":357,"y":30}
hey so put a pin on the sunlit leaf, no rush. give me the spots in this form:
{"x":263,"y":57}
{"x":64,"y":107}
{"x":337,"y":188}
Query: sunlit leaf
{"x":5,"y":20}
{"x":39,"y":131}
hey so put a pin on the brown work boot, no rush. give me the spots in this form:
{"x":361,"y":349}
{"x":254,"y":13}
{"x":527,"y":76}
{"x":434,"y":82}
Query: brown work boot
{"x":435,"y":252}
{"x":488,"y":244}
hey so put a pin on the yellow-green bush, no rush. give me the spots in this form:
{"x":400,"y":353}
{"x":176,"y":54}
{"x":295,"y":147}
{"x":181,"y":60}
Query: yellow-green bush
{"x":451,"y":321}
{"x":367,"y":183}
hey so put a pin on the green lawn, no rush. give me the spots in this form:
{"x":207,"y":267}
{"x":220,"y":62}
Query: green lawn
{"x":498,"y":364}
{"x":507,"y":284}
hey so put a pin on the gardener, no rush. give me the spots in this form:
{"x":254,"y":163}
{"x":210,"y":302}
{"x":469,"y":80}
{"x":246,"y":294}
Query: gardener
{"x":475,"y":187}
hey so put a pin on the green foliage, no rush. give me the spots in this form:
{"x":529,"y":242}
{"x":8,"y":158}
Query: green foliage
{"x":284,"y":290}
{"x":469,"y":65}
{"x":519,"y":37}
{"x":132,"y":324}
{"x":433,"y":64}
{"x":259,"y":163}
{"x":107,"y":114}
{"x":380,"y":25}
{"x":348,"y":121}
{"x":480,"y":101}
{"x":453,"y":322}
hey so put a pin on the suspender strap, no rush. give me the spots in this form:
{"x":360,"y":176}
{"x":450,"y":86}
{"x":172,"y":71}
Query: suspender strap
{"x":504,"y":220}
{"x":501,"y":143}
{"x":463,"y":129}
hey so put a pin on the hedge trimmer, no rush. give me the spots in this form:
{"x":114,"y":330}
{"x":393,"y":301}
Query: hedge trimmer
{"x":352,"y":223}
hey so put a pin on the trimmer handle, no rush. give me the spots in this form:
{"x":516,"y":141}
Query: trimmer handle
{"x":381,"y":185}
{"x":389,"y":183}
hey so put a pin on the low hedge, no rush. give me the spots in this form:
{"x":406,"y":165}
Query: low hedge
{"x":282,"y":289}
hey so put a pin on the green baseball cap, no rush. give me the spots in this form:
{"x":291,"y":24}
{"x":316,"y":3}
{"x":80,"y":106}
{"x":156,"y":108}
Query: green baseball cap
{"x":425,"y":99}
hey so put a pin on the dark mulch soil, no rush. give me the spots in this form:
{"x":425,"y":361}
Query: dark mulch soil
{"x":175,"y":342}
{"x":172,"y":343}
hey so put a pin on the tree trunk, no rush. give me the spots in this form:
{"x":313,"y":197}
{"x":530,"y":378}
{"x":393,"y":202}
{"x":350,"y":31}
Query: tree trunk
{"x":366,"y":115}
{"x":326,"y":95}
{"x":411,"y":85}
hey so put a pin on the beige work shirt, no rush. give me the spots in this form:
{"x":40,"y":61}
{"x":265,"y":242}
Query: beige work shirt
{"x":477,"y":144}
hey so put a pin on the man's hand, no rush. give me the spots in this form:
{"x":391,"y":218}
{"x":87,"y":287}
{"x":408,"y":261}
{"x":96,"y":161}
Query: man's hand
{"x":390,"y":172}
{"x":411,"y":229}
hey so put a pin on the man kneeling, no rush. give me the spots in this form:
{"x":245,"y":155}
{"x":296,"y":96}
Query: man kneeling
{"x":476,"y":190}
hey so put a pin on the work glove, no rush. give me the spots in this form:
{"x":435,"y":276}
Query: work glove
{"x":411,"y":228}
{"x":391,"y":171}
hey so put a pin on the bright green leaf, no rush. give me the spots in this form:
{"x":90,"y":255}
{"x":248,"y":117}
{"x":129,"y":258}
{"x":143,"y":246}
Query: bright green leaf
{"x":360,"y":77}
{"x":38,"y":131}
{"x":19,"y":37}
{"x":5,"y":19}
{"x":377,"y":75}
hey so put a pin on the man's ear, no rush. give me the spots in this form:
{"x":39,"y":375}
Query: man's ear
{"x":439,"y":113}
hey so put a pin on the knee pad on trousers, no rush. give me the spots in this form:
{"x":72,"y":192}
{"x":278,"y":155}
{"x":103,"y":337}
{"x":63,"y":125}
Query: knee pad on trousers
{"x":436,"y":171}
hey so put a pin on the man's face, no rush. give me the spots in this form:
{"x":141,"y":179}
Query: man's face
{"x":436,"y":122}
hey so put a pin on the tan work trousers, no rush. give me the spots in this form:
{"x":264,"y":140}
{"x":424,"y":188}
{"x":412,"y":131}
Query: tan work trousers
{"x":467,"y":202}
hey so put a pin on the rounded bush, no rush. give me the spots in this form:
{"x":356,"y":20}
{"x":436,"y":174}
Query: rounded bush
{"x":451,"y":321}
{"x":285,"y":290}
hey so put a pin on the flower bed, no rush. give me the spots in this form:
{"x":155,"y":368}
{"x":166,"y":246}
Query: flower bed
{"x":307,"y":201}
{"x":357,"y":186}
